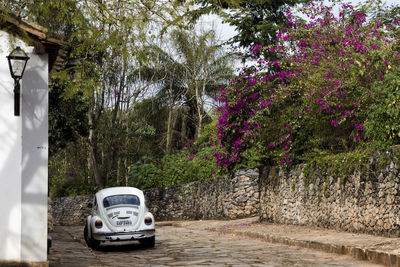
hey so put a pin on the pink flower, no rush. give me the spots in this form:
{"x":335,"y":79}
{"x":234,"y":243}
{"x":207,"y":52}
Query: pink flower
{"x":286,"y":37}
{"x":280,"y":33}
{"x":256,"y":49}
{"x":287,"y":147}
{"x":358,"y":126}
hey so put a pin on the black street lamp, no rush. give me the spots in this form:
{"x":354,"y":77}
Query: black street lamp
{"x":17,"y":62}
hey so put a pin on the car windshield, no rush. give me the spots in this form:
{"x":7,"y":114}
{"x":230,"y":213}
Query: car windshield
{"x":121,"y":200}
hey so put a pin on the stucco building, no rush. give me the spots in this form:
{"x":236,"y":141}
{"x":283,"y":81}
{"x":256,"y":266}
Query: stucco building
{"x":24,"y":143}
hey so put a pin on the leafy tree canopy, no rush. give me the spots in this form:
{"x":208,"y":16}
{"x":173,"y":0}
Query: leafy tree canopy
{"x":256,"y":21}
{"x":327,"y":84}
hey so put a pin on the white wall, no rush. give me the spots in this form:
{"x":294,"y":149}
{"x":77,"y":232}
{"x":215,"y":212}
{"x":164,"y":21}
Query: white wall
{"x":23,"y":158}
{"x":34,"y":113}
{"x":10,"y":161}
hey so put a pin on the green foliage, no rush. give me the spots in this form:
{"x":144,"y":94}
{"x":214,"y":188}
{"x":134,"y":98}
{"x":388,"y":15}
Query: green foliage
{"x":68,"y":175}
{"x":173,"y":169}
{"x":107,"y":121}
{"x":209,"y":133}
{"x":325,"y":164}
{"x":316,"y":94}
{"x":60,"y":18}
{"x":67,"y":118}
{"x":102,"y":115}
{"x":252,"y":157}
{"x":185,"y":167}
{"x":383,"y":122}
{"x":256,"y":21}
{"x":143,"y":174}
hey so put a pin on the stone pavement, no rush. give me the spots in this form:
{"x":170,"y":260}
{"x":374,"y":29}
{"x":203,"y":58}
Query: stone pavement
{"x":189,"y":244}
{"x":376,"y":249}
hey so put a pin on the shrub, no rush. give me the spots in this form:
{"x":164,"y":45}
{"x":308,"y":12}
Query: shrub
{"x":316,"y":93}
{"x":383,"y":123}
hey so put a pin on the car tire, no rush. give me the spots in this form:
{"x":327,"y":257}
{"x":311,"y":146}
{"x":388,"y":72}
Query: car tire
{"x":90,"y":242}
{"x":149,"y":242}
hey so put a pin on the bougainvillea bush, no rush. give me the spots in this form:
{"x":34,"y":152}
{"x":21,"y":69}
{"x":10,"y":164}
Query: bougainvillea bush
{"x":319,"y":92}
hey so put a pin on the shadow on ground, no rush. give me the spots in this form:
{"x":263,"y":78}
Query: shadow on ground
{"x":122,"y":247}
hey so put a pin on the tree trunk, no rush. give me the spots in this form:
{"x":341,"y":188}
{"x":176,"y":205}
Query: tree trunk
{"x":169,"y":122}
{"x":97,"y":177}
{"x":118,"y":171}
{"x":128,"y":168}
{"x":169,"y":131}
{"x":199,"y":112}
{"x":89,"y":165}
{"x":185,"y":110}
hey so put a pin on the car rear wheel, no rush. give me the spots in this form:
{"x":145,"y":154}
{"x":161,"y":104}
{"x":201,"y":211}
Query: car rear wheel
{"x":149,"y":242}
{"x":90,"y":242}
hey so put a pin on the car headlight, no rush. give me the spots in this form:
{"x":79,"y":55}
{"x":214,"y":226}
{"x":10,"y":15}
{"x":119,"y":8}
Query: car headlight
{"x":98,"y":224}
{"x":148,"y":220}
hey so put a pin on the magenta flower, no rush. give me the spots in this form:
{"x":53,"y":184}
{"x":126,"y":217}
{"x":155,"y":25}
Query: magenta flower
{"x":287,"y":146}
{"x":256,"y":49}
{"x":311,"y":81}
{"x":358,"y":126}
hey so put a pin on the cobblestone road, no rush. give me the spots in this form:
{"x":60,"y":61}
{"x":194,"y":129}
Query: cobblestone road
{"x":177,"y":246}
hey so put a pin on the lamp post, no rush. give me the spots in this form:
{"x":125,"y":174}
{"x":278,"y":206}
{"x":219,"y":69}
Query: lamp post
{"x":17,"y":62}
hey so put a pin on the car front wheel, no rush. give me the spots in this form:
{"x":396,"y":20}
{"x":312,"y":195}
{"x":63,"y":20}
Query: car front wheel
{"x":90,"y":242}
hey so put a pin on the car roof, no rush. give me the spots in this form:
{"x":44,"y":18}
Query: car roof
{"x":119,"y":191}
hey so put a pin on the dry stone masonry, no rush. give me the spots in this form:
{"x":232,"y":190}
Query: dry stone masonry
{"x":223,"y":198}
{"x":70,"y":210}
{"x":364,"y":200}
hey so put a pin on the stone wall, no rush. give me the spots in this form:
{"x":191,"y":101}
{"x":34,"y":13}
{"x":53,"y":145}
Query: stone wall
{"x":70,"y":210}
{"x":366,"y":200}
{"x":223,"y":198}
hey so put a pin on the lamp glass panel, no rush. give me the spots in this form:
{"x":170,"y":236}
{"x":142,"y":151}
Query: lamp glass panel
{"x":18,"y":66}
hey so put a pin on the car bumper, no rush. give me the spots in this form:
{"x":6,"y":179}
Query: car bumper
{"x":123,"y":236}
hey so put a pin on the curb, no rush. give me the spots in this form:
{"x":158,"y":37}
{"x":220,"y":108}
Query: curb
{"x":358,"y":253}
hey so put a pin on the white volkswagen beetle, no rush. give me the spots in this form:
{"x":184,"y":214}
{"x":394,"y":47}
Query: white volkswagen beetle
{"x":119,"y":214}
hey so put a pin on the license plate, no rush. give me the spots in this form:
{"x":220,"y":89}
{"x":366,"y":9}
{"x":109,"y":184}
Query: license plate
{"x":126,"y":222}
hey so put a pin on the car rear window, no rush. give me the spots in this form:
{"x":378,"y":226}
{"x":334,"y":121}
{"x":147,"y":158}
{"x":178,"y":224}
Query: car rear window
{"x":121,"y":200}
